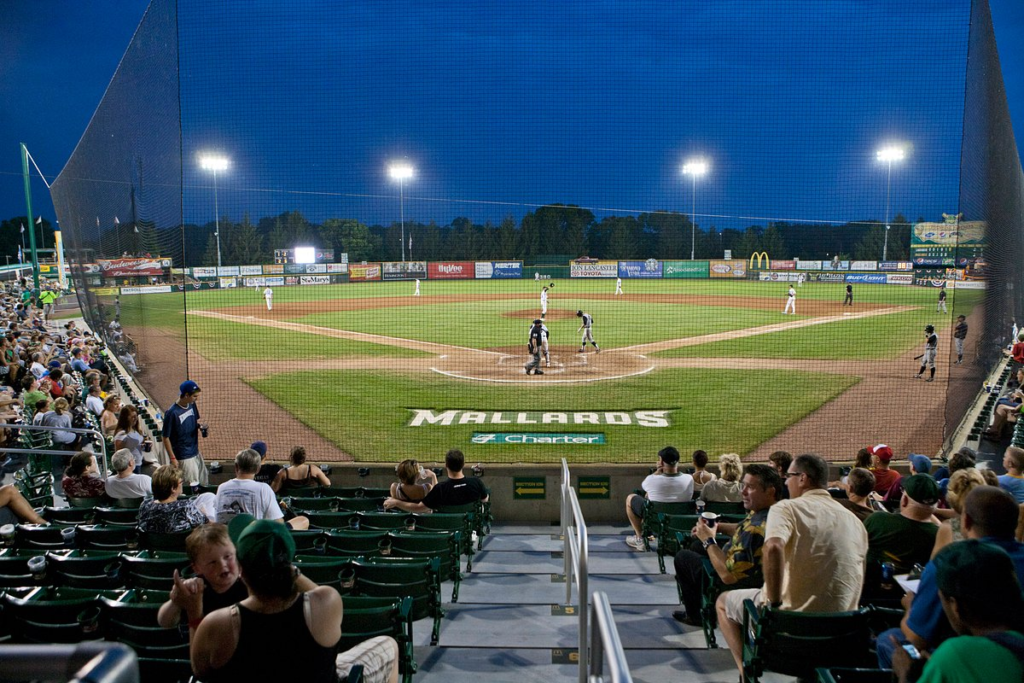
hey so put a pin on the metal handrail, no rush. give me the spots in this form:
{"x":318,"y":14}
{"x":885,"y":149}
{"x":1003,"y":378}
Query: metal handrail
{"x":576,"y":555}
{"x":604,"y":638}
{"x":93,"y":662}
{"x":100,"y":439}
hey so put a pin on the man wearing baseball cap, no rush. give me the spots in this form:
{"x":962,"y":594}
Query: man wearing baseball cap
{"x":885,"y":478}
{"x":181,"y":435}
{"x":230,"y":643}
{"x":904,"y":538}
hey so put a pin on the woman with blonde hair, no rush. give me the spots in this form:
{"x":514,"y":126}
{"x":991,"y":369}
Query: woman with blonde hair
{"x":725,"y":489}
{"x":960,"y":484}
{"x":109,"y":416}
{"x":165,"y":513}
{"x":414,"y":482}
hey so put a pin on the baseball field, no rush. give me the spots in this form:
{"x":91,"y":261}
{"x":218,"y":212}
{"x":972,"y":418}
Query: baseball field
{"x":369,"y":372}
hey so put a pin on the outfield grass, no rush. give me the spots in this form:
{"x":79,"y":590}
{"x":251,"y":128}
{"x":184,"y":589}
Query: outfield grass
{"x":365,"y":413}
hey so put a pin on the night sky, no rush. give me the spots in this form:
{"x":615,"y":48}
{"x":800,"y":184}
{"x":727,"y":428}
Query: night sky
{"x":512,"y":105}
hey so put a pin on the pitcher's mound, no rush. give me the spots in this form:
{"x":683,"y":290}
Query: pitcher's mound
{"x":506,"y":365}
{"x":534,"y":313}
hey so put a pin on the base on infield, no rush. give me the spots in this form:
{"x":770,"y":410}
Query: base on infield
{"x":567,"y":366}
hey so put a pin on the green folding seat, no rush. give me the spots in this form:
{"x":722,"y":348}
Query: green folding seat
{"x":353,"y":543}
{"x":368,"y":617}
{"x":400,"y":577}
{"x":154,"y":569}
{"x":443,"y":545}
{"x":86,"y":569}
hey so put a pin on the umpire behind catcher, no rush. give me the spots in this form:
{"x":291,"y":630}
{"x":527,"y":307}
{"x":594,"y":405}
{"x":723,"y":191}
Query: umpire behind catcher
{"x":534,"y":346}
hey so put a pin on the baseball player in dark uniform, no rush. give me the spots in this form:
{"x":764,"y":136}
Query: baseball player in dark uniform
{"x":931,"y":349}
{"x":848,"y":301}
{"x":586,"y":326}
{"x":959,"y":335}
{"x":533,"y":346}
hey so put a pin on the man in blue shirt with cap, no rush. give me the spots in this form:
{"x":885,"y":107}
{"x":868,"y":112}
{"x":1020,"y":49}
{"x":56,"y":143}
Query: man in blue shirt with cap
{"x":181,"y":435}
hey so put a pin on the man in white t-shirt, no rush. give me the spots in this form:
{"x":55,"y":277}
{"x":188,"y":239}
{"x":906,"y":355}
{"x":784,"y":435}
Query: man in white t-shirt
{"x":666,"y":485}
{"x":125,"y":483}
{"x":245,"y":495}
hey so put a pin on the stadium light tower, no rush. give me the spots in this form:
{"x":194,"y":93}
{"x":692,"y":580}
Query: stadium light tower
{"x":694,"y":168}
{"x":887,"y":155}
{"x":212,"y":162}
{"x":401,"y":172}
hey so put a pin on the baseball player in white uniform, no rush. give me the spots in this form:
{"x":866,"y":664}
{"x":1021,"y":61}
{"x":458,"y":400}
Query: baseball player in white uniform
{"x":268,"y":294}
{"x":931,"y":350}
{"x":586,"y":326}
{"x":543,"y":302}
{"x":790,"y":302}
{"x":800,"y":280}
{"x":417,"y":292}
{"x":618,"y":286}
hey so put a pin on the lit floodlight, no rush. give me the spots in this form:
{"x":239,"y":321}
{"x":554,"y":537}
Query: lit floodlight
{"x":400,"y":171}
{"x":695,"y":168}
{"x":891,"y":154}
{"x":305,"y":254}
{"x":213,"y":163}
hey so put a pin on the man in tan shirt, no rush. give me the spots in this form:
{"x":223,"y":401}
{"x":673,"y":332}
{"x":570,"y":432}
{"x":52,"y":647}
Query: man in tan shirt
{"x":813,"y":558}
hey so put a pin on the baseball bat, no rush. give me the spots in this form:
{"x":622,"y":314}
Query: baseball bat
{"x":919,"y":357}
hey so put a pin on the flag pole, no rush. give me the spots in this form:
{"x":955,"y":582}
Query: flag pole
{"x":28,"y":206}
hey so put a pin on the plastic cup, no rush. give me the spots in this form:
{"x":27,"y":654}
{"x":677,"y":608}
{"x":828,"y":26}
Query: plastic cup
{"x":68,"y":535}
{"x":37,"y":567}
{"x":7,"y":532}
{"x":710,"y":518}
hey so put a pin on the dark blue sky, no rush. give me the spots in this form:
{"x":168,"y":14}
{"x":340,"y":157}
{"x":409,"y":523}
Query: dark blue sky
{"x":512,"y":105}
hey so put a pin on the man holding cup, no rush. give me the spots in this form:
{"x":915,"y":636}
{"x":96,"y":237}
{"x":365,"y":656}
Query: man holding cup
{"x":181,"y":435}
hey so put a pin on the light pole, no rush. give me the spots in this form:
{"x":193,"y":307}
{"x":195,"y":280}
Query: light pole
{"x":888,"y":155}
{"x":215,"y":163}
{"x":401,"y":172}
{"x":694,"y":168}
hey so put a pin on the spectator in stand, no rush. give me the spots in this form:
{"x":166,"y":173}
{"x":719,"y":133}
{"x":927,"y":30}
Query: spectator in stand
{"x":981,"y":597}
{"x":125,"y":483}
{"x":666,"y":485}
{"x":860,"y":487}
{"x":781,"y":460}
{"x":166,"y":513}
{"x":127,"y":435}
{"x":1013,"y":480}
{"x":458,"y":489}
{"x":414,"y":482}
{"x":990,"y":515}
{"x":60,"y":417}
{"x":728,"y":487}
{"x":77,"y":362}
{"x":37,"y":368}
{"x":738,"y":563}
{"x":227,"y":644}
{"x":110,"y":415}
{"x":216,"y":583}
{"x":700,"y":474}
{"x":960,"y":484}
{"x":14,"y":509}
{"x":245,"y":495}
{"x":299,"y":475}
{"x":93,"y":402}
{"x":1007,"y":410}
{"x":904,"y":538}
{"x":920,"y":464}
{"x":82,"y":477}
{"x":885,"y":478}
{"x":56,"y":386}
{"x":268,"y":471}
{"x":963,"y":459}
{"x":181,"y":434}
{"x":31,"y":393}
{"x":813,"y":555}
{"x":1017,"y":351}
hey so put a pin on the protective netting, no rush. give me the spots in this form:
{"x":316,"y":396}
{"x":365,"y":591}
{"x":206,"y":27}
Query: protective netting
{"x":538,"y":133}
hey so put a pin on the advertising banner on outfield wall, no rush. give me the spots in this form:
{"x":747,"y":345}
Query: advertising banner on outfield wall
{"x":363,"y":272}
{"x":599,"y":269}
{"x":156,"y":289}
{"x":315,"y":268}
{"x":337,"y":268}
{"x":227,"y":282}
{"x":867,"y":279}
{"x":227,"y":271}
{"x":783,"y":265}
{"x":835,"y":265}
{"x":250,"y":270}
{"x":826,"y":277}
{"x":256,"y":282}
{"x":895,"y":265}
{"x":808,"y":265}
{"x":727,"y":268}
{"x":275,"y":281}
{"x":451,"y":270}
{"x":315,"y":280}
{"x":684,"y":269}
{"x":640,"y":269}
{"x":294,"y":268}
{"x":273,"y":269}
{"x":765,"y":276}
{"x":863,"y":265}
{"x":932,"y":262}
{"x":133,"y":267}
{"x":499,"y":270}
{"x":899,"y":279}
{"x":408,"y":270}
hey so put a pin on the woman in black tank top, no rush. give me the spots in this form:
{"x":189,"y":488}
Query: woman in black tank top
{"x":298,"y":476}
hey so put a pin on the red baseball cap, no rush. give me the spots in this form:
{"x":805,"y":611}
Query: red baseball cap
{"x":881,"y":451}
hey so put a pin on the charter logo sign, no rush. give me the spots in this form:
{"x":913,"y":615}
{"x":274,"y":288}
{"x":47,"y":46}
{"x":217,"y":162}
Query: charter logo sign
{"x":529,"y":439}
{"x":422,"y":417}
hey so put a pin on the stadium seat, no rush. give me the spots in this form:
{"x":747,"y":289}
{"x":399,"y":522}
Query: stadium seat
{"x":174,"y":541}
{"x":795,"y":643}
{"x":652,"y":510}
{"x":101,"y":569}
{"x":309,"y":541}
{"x":368,"y":617}
{"x":352,"y":543}
{"x":481,"y":520}
{"x":724,"y":508}
{"x":154,"y":569}
{"x":39,"y":536}
{"x":92,"y":502}
{"x":332,"y":520}
{"x":360,"y":504}
{"x":399,"y":577}
{"x":443,"y":545}
{"x":14,"y":570}
{"x":839,"y":675}
{"x":385,"y":521}
{"x":69,"y":516}
{"x":325,"y":571}
{"x":339,"y":492}
{"x":302,"y":505}
{"x":113,"y":516}
{"x":131,"y":618}
{"x":54,"y":615}
{"x":128,"y":503}
{"x":672,"y":532}
{"x":103,"y":537}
